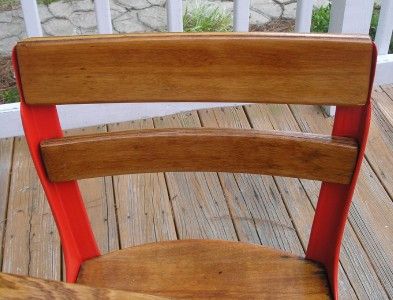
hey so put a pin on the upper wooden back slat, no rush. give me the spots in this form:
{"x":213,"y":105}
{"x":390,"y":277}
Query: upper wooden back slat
{"x":249,"y":67}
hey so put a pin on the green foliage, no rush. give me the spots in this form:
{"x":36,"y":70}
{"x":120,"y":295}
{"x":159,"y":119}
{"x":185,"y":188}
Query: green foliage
{"x":9,"y":95}
{"x":11,"y":4}
{"x":8,"y":4}
{"x":374,"y":21}
{"x":46,"y":2}
{"x":320,"y":18}
{"x":374,"y":25}
{"x":206,"y":16}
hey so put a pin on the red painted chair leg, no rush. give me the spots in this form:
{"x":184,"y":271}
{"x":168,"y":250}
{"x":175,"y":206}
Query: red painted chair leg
{"x":78,"y":243}
{"x":335,"y":199}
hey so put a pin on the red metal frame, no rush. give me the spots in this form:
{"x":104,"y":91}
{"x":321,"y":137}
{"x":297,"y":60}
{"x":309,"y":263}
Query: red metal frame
{"x":42,"y":122}
{"x":335,"y":199}
{"x":78,"y":243}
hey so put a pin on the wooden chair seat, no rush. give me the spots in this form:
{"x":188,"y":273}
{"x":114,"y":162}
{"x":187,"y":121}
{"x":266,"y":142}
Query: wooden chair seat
{"x":207,"y":269}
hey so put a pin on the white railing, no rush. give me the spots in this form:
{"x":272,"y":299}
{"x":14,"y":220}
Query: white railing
{"x":347,"y":16}
{"x":382,"y":39}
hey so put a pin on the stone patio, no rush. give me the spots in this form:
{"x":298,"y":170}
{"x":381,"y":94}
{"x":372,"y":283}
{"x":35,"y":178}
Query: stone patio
{"x":71,"y":17}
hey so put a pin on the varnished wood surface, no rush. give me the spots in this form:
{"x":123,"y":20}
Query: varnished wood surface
{"x":223,"y":150}
{"x":22,"y":287}
{"x":98,"y":196}
{"x":240,"y":67}
{"x":200,"y":269}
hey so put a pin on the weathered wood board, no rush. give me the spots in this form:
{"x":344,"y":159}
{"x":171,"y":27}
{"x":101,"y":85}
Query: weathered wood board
{"x":31,"y":242}
{"x":198,"y":201}
{"x":144,"y":212}
{"x":6,"y":151}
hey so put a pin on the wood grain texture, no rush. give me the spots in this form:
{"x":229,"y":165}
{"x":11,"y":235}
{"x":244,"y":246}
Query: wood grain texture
{"x":224,"y":150}
{"x":22,"y":287}
{"x":233,"y":67}
{"x":199,"y":205}
{"x":31,"y":241}
{"x":357,"y":277}
{"x":380,"y":142}
{"x":256,"y":204}
{"x":207,"y":269}
{"x":144,"y":211}
{"x":98,"y":197}
{"x":6,"y":149}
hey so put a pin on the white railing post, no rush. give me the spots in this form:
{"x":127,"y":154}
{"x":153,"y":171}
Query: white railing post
{"x":103,"y":16}
{"x":241,"y":15}
{"x":303,"y":16}
{"x":349,"y":16}
{"x":385,"y":27}
{"x":31,"y":18}
{"x":174,"y":13}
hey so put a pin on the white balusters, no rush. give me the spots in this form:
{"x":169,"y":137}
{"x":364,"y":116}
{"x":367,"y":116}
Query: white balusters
{"x":103,"y":16}
{"x":303,"y":15}
{"x":241,"y":15}
{"x":31,"y":18}
{"x":174,"y":12}
{"x":351,"y":16}
{"x":385,"y":27}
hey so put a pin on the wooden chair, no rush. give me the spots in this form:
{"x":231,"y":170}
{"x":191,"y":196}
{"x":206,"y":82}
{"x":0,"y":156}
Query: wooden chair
{"x":251,"y":67}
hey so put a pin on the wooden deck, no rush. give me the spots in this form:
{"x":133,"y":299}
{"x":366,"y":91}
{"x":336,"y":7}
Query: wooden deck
{"x":275,"y":211}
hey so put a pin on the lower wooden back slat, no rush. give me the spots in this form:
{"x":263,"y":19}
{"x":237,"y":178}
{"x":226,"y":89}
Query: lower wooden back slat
{"x":310,"y":156}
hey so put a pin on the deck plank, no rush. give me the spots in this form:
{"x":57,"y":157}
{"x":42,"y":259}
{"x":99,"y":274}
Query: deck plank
{"x":388,"y":89}
{"x":198,"y":201}
{"x":6,"y":150}
{"x":143,"y":208}
{"x":259,"y":193}
{"x":32,"y":245}
{"x":353,"y":257}
{"x":379,"y":151}
{"x":371,"y":209}
{"x":97,"y":194}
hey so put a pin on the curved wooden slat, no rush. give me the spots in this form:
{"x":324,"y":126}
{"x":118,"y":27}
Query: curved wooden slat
{"x":203,"y":269}
{"x":227,"y":67}
{"x":220,"y":150}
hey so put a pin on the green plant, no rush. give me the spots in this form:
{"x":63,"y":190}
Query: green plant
{"x":206,"y":17}
{"x":321,"y":16}
{"x":374,"y":25}
{"x":8,"y":4}
{"x":9,"y":95}
{"x":46,"y":2}
{"x":374,"y":21}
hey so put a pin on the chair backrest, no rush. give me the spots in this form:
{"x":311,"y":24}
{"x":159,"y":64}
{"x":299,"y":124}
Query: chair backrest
{"x":251,"y":67}
{"x":269,"y":68}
